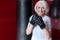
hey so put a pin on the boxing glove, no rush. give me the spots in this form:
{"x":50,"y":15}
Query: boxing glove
{"x":37,"y":20}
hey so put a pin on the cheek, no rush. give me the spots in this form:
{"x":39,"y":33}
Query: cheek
{"x":43,"y":10}
{"x":38,"y":9}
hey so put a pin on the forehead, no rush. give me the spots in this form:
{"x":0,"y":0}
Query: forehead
{"x":40,"y":4}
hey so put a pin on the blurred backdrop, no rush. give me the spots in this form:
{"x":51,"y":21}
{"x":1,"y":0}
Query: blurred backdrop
{"x":25,"y":8}
{"x":7,"y":19}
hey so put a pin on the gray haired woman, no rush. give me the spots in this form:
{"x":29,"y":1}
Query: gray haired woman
{"x":41,"y":8}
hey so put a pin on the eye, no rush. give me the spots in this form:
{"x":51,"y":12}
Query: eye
{"x":38,"y":7}
{"x":42,"y":7}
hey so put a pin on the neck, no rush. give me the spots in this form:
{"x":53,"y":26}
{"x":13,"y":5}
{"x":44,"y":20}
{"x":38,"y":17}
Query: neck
{"x":42,"y":15}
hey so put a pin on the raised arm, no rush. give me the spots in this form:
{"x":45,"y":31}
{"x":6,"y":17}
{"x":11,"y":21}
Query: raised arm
{"x":29,"y":26}
{"x":42,"y":25}
{"x":47,"y":33}
{"x":29,"y":29}
{"x":48,"y":29}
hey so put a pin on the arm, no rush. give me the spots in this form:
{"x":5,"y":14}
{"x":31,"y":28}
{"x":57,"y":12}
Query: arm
{"x":29,"y":29}
{"x":48,"y":24}
{"x":47,"y":33}
{"x":30,"y":26}
{"x":42,"y":25}
{"x":48,"y":29}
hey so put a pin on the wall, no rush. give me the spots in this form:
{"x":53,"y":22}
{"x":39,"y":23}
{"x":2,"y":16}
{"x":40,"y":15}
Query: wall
{"x":7,"y":19}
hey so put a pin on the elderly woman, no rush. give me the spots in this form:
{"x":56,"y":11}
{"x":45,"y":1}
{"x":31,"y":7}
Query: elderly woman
{"x":41,"y":28}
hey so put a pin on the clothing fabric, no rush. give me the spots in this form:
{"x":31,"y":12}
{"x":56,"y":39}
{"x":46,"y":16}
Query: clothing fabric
{"x":37,"y":33}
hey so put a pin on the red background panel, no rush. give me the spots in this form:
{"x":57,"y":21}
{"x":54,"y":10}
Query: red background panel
{"x":7,"y":19}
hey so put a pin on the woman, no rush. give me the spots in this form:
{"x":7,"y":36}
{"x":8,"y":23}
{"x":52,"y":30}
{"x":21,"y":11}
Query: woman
{"x":41,"y":8}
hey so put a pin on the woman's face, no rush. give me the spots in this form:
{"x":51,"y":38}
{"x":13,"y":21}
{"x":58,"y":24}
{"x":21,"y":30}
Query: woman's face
{"x":40,"y":9}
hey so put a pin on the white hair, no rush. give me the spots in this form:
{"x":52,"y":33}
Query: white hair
{"x":44,"y":4}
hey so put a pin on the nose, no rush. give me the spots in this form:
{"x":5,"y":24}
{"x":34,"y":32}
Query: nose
{"x":41,"y":10}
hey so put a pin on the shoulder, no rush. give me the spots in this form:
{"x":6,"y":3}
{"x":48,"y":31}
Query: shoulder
{"x":47,"y":18}
{"x":34,"y":15}
{"x":30,"y":17}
